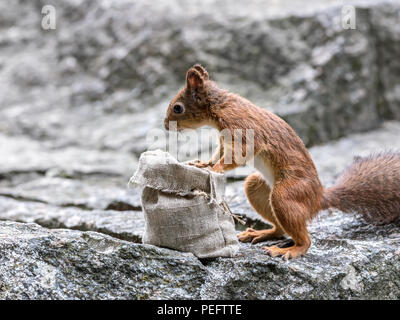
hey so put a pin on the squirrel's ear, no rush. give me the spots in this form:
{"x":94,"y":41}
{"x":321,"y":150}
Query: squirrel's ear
{"x":194,"y":79}
{"x":202,"y":71}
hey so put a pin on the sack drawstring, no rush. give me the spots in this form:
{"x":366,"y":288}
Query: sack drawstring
{"x":223,"y":205}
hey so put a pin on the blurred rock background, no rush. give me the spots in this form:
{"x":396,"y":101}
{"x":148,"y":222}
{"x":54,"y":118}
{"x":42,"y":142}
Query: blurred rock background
{"x":77,"y":103}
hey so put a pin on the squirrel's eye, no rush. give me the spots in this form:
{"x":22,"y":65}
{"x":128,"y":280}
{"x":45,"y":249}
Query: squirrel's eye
{"x":178,"y":108}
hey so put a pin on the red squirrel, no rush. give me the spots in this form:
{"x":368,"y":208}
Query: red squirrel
{"x":286,"y":190}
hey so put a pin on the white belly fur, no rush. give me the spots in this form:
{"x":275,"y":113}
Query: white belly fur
{"x":264,"y":167}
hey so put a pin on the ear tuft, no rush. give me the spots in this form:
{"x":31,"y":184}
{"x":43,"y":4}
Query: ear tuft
{"x":194,"y":79}
{"x":202,"y":71}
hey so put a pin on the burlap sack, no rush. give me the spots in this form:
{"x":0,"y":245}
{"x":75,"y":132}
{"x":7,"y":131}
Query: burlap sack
{"x":184,"y":207}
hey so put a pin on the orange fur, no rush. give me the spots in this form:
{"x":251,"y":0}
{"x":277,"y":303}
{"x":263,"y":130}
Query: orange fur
{"x":297,"y":194}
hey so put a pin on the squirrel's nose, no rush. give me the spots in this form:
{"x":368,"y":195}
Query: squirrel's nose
{"x":166,"y":124}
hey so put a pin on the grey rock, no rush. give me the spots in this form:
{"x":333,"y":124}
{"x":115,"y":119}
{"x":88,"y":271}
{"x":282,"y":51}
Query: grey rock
{"x":332,"y":158}
{"x":96,"y":194}
{"x":25,"y":155}
{"x":125,"y":225}
{"x":384,"y":21}
{"x":37,"y":263}
{"x":358,"y":263}
{"x":322,"y":79}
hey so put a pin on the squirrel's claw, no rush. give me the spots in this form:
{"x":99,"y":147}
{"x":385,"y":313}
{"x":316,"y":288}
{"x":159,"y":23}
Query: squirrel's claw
{"x":286,"y":253}
{"x":199,"y":164}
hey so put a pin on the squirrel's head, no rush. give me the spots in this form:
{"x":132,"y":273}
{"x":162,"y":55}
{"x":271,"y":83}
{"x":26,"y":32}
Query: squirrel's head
{"x":189,"y":108}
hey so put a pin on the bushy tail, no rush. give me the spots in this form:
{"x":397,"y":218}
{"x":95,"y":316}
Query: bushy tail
{"x":370,"y":186}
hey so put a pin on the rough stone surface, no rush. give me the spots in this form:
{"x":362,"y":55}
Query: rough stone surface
{"x":25,"y":155}
{"x":361,"y":262}
{"x":126,"y":225}
{"x":36,"y":263}
{"x":358,"y":263}
{"x":97,"y":194}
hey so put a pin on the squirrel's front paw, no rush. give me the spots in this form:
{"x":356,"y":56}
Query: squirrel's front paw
{"x":218,"y":168}
{"x":199,"y":164}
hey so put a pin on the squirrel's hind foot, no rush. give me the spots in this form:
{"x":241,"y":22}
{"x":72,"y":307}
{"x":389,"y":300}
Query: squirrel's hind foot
{"x":286,"y":253}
